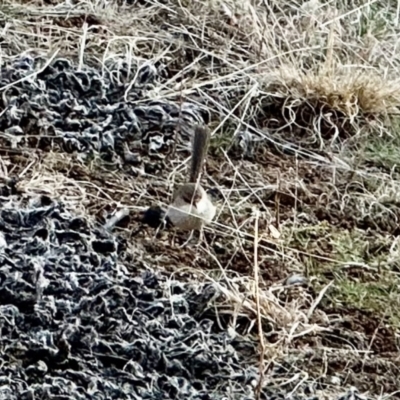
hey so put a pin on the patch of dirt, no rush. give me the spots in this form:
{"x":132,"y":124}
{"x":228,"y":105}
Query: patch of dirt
{"x":365,"y":372}
{"x":327,"y":194}
{"x":362,"y":330}
{"x":359,"y":348}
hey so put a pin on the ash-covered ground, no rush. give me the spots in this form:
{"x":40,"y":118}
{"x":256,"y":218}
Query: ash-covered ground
{"x":79,"y":318}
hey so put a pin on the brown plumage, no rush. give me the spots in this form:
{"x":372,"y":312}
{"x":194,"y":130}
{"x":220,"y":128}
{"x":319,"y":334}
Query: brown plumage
{"x":191,"y":206}
{"x":200,"y":144}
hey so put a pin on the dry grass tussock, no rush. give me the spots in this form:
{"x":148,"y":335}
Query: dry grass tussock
{"x":308,"y":95}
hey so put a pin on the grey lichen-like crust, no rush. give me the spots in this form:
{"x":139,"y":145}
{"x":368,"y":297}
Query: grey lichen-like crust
{"x":91,"y":112}
{"x":78,"y":320}
{"x":79,"y":323}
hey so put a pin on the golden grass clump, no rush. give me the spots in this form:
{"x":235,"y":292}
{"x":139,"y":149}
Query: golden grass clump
{"x":354,"y":93}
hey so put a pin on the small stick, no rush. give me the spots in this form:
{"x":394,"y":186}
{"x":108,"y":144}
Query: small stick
{"x":259,"y":323}
{"x":25,"y":78}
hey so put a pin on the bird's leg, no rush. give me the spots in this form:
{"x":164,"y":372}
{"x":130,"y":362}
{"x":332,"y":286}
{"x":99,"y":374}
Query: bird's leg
{"x":157,"y":231}
{"x":188,"y":240}
{"x":172,"y":239}
{"x":161,"y":226}
{"x":201,"y":236}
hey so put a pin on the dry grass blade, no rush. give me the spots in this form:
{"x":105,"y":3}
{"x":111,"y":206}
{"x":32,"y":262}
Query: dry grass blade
{"x":259,"y":320}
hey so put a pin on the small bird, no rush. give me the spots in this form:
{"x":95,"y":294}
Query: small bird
{"x":191,"y":207}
